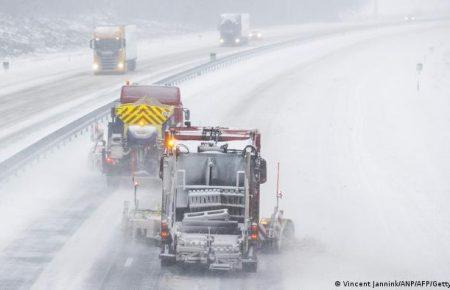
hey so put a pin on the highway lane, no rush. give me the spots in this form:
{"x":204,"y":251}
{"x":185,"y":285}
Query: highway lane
{"x":22,"y":261}
{"x":35,"y":111}
{"x":114,"y":263}
{"x":35,"y":108}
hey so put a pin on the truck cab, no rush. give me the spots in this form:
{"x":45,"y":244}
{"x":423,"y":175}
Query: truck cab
{"x":234,"y":29}
{"x":114,"y":49}
{"x":135,"y":132}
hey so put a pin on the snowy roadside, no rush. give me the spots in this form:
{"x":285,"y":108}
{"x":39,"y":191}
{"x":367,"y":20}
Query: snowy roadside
{"x":48,"y":33}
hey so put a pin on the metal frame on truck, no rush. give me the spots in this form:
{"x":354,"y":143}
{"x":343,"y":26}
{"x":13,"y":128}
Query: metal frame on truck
{"x":210,"y":200}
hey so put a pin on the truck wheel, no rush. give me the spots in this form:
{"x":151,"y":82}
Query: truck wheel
{"x":166,"y":263}
{"x":250,"y":267}
{"x":111,"y":181}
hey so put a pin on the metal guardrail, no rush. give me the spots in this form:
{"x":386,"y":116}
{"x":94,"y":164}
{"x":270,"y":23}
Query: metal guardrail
{"x":59,"y":137}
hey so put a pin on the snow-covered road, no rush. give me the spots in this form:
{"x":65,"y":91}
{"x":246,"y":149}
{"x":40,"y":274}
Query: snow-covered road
{"x":41,"y":94}
{"x":364,"y":159}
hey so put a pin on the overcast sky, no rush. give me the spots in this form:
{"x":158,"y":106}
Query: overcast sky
{"x":205,"y":12}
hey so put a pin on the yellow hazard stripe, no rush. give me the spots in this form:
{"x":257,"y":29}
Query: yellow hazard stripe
{"x":151,"y":114}
{"x":143,"y":114}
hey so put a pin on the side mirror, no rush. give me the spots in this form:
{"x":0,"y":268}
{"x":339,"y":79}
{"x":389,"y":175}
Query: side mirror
{"x":91,"y":44}
{"x":419,"y":67}
{"x":263,"y":171}
{"x":187,"y":117}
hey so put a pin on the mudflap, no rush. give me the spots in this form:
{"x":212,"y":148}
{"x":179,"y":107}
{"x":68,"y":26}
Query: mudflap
{"x":167,"y":259}
{"x":250,"y":266}
{"x":270,"y":246}
{"x":112,"y":181}
{"x":250,"y":263}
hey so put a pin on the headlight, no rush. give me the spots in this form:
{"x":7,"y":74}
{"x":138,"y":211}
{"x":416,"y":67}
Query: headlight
{"x":237,"y":40}
{"x":95,"y":66}
{"x":221,"y":40}
{"x":120,"y":65}
{"x":259,"y":35}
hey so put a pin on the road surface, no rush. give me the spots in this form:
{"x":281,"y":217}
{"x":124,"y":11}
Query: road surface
{"x":364,"y":160}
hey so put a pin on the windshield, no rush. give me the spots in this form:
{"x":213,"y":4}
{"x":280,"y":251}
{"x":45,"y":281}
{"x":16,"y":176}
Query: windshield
{"x":108,"y":44}
{"x":229,"y":27}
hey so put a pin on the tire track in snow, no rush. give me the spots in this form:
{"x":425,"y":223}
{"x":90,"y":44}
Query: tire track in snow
{"x":25,"y":258}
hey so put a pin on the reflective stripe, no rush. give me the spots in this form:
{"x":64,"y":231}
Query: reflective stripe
{"x":143,"y":114}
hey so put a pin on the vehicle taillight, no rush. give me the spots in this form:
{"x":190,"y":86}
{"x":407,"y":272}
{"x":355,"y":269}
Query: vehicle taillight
{"x":169,"y":143}
{"x":109,"y":160}
{"x":164,"y":231}
{"x":254,"y":232}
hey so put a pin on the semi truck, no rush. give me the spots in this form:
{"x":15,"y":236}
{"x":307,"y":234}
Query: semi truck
{"x":234,"y":28}
{"x":133,"y":150}
{"x":135,"y":132}
{"x":115,"y":49}
{"x":211,"y":181}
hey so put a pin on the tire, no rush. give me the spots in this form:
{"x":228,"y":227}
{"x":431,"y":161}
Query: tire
{"x":250,"y":267}
{"x":166,"y":263}
{"x":109,"y":181}
{"x":112,"y":181}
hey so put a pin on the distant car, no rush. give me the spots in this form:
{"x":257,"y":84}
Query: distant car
{"x":410,"y":18}
{"x":255,"y":35}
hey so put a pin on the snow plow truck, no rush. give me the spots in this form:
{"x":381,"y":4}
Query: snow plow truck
{"x":211,"y":193}
{"x":134,"y":138}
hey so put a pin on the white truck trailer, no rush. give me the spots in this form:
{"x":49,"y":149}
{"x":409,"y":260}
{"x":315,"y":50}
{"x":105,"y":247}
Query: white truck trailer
{"x":234,"y":28}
